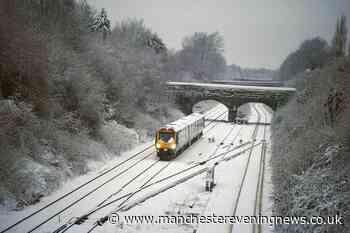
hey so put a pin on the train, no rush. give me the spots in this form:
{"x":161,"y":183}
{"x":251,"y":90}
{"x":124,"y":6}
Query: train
{"x":175,"y":137}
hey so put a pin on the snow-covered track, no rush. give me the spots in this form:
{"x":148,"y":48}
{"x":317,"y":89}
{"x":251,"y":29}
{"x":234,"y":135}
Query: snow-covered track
{"x":63,"y":205}
{"x":222,"y":141}
{"x":102,"y":220}
{"x":211,"y":121}
{"x":256,"y":228}
{"x":75,"y":189}
{"x":253,"y":137}
{"x":91,"y":191}
{"x":68,"y":225}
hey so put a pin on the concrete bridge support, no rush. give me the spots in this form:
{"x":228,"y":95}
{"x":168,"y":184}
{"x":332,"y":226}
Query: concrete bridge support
{"x":232,"y":113}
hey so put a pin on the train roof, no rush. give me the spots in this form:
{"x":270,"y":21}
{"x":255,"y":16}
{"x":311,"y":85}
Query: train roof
{"x":184,"y":121}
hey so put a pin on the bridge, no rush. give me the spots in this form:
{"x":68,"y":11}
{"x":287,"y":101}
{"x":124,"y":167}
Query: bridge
{"x":186,"y":94}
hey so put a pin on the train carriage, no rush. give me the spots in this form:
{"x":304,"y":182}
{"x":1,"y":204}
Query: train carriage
{"x":175,"y":137}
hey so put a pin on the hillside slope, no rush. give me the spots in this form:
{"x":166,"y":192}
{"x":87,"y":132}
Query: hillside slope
{"x":311,"y":162}
{"x":70,"y":96}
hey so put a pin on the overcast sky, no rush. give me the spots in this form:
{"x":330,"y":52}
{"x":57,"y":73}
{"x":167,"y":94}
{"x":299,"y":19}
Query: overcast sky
{"x":257,"y":33}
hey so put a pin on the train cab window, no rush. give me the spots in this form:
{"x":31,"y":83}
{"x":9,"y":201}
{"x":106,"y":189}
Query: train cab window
{"x":166,"y":136}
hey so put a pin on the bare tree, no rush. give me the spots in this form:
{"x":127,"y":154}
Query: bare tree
{"x":202,"y":55}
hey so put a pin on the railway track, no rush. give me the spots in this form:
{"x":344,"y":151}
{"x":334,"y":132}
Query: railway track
{"x":219,"y":157}
{"x":133,"y":193}
{"x":256,"y":228}
{"x":92,"y":191}
{"x":75,"y":190}
{"x":123,"y":199}
{"x":69,"y":224}
{"x":102,"y":220}
{"x":258,"y":194}
{"x":216,"y":114}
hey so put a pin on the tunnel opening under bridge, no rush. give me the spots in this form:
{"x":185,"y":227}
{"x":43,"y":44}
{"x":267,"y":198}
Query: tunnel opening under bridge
{"x":246,"y":110}
{"x":213,"y":108}
{"x":234,"y":108}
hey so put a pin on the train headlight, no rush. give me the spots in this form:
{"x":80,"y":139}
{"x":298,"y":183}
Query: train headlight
{"x":173,"y":146}
{"x":158,"y":145}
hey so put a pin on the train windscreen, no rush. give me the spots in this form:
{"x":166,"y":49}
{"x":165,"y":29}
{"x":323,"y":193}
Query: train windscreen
{"x":166,"y":136}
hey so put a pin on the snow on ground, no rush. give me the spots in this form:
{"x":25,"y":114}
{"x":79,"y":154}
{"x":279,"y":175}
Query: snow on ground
{"x":8,"y":218}
{"x":205,"y":106}
{"x":170,"y":199}
{"x":228,"y":176}
{"x":189,"y":197}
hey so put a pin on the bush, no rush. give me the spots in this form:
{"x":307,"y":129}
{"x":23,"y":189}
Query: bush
{"x":117,"y":137}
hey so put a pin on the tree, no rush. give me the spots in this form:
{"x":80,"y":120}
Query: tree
{"x":134,"y":33}
{"x":155,"y":42}
{"x":343,"y":33}
{"x":86,"y":13}
{"x":311,"y":54}
{"x":201,"y":55}
{"x":102,"y":24}
{"x":340,"y":37}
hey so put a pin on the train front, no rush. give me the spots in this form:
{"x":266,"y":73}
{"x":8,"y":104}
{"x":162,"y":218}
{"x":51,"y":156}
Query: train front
{"x":166,"y":143}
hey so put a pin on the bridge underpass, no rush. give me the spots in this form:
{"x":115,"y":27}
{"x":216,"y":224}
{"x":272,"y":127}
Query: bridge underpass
{"x":186,"y":94}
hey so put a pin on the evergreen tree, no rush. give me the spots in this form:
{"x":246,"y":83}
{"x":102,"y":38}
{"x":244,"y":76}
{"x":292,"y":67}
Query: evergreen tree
{"x":153,"y":41}
{"x":102,"y":24}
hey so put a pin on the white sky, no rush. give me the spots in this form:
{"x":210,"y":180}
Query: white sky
{"x":257,"y":33}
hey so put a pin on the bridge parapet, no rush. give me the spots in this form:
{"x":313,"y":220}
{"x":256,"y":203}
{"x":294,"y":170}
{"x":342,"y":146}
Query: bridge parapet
{"x":250,"y":82}
{"x":187,"y":94}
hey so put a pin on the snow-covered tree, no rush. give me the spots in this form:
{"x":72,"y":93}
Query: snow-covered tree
{"x":202,"y":55}
{"x":136,"y":34}
{"x":102,"y":24}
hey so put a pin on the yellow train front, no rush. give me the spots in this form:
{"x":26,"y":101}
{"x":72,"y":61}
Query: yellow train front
{"x":175,"y":137}
{"x":166,"y":143}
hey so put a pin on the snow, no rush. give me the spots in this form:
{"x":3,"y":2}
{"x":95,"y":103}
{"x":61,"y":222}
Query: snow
{"x":232,"y":87}
{"x":185,"y":121}
{"x":165,"y":197}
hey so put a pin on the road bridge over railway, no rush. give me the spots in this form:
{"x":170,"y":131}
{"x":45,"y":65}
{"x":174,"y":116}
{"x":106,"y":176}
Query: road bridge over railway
{"x":186,"y":94}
